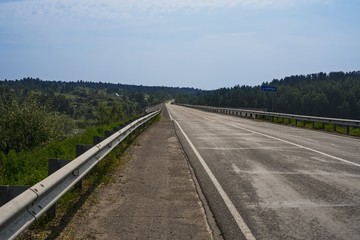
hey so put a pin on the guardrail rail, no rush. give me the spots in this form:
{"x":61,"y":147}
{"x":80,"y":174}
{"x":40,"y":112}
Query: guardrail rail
{"x":22,"y":211}
{"x":263,"y":114}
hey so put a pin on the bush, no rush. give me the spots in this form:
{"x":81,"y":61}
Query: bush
{"x":28,"y":167}
{"x":26,"y":125}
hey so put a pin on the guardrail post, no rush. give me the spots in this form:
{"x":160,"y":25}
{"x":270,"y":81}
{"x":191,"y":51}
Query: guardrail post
{"x":108,"y":134}
{"x":7,"y":193}
{"x":80,"y":149}
{"x":288,"y":119}
{"x":98,"y":139}
{"x":30,"y":205}
{"x":54,"y":164}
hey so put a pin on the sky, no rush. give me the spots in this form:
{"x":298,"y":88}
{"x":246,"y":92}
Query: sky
{"x":206,"y":44}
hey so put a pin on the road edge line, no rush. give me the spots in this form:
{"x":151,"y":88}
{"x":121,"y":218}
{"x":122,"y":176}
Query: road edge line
{"x":229,"y":204}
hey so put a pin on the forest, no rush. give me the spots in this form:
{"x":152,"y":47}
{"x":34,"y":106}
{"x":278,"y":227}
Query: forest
{"x":34,"y":111}
{"x":55,"y":109}
{"x":336,"y":95}
{"x":46,"y":119}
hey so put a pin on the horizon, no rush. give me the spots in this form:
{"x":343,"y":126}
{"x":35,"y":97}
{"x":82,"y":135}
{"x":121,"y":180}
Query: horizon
{"x":181,"y":87}
{"x":188,"y":44}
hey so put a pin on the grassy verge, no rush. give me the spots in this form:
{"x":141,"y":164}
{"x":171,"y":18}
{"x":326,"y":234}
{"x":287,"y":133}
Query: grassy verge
{"x":68,"y":205}
{"x":353,"y":131}
{"x":29,"y":167}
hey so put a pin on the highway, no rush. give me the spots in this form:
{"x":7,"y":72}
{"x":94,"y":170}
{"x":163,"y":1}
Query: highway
{"x":270,"y":181}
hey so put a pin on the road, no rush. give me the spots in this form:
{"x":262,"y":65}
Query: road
{"x":269,"y":181}
{"x":152,"y":196}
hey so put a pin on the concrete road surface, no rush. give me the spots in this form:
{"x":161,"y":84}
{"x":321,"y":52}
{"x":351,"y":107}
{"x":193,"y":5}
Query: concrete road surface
{"x":270,"y":181}
{"x":154,"y":197}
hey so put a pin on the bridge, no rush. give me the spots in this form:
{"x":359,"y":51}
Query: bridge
{"x":203,"y":175}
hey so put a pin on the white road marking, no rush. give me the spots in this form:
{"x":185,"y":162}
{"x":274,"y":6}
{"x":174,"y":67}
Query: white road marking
{"x":235,"y":168}
{"x":229,"y":204}
{"x":222,"y":138}
{"x":307,"y":139}
{"x":248,"y":148}
{"x":220,"y":135}
{"x":277,"y":205}
{"x":238,"y":171}
{"x":285,"y":141}
{"x":294,"y":144}
{"x":319,"y":159}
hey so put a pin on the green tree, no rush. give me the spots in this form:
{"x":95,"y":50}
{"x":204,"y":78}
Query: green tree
{"x":28,"y":124}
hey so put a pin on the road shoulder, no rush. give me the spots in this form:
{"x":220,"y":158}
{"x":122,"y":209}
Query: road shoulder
{"x":153,"y":197}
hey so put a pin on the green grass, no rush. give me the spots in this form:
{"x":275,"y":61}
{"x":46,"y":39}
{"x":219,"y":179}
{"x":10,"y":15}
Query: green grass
{"x":316,"y":126}
{"x":355,"y":131}
{"x":67,"y":206}
{"x":29,"y":167}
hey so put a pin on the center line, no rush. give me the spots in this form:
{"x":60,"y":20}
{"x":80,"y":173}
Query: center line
{"x":282,"y":140}
{"x":294,"y":144}
{"x":246,"y":148}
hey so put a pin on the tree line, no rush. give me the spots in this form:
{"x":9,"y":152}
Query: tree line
{"x":34,"y":111}
{"x":336,"y":94}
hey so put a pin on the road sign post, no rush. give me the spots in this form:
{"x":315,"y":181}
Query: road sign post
{"x":268,"y":88}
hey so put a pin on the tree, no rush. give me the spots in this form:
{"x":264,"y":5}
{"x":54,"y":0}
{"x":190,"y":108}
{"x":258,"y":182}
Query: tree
{"x":26,"y":125}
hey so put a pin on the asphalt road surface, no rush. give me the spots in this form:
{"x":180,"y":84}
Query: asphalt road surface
{"x":271,"y":181}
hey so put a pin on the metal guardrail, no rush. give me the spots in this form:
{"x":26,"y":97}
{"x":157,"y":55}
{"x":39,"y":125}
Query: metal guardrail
{"x":22,"y":211}
{"x":263,"y":114}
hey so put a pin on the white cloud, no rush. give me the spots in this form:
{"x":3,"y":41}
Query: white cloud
{"x":109,"y":9}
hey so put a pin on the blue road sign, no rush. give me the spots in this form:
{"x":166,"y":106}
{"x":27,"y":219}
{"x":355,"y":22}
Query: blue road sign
{"x":268,"y":88}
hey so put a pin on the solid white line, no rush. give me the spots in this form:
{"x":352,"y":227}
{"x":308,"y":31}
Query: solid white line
{"x":275,"y":205}
{"x":305,"y":173}
{"x":247,"y":148}
{"x":294,"y":144}
{"x":248,"y":120}
{"x":219,"y":135}
{"x":239,"y":220}
{"x":282,"y":140}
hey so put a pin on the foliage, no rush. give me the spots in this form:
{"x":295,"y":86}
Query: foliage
{"x":46,"y":119}
{"x":26,"y":125}
{"x":87,"y":100}
{"x":34,"y":111}
{"x":336,"y":94}
{"x":37,"y":117}
{"x":45,"y":228}
{"x":30,"y":166}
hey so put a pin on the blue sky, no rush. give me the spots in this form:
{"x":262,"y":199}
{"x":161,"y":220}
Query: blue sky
{"x":204,"y":44}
